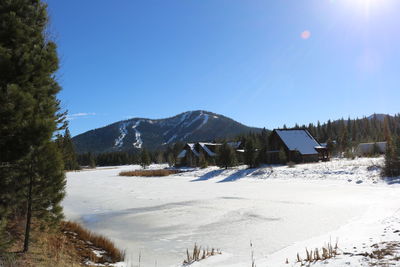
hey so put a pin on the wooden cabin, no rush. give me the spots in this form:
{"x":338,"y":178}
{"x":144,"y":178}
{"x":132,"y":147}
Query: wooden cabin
{"x":191,"y":152}
{"x":298,"y":145}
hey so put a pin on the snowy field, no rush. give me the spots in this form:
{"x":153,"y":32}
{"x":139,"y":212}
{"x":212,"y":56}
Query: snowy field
{"x":280,"y":210}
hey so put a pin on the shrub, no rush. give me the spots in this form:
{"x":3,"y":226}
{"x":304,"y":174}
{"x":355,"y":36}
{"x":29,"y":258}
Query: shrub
{"x":291,"y":164}
{"x":149,"y":173}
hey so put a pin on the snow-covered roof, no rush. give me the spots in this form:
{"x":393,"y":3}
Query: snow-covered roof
{"x":300,"y":140}
{"x":235,"y":144}
{"x":206,"y":149}
{"x":182,"y":154}
{"x":192,"y":148}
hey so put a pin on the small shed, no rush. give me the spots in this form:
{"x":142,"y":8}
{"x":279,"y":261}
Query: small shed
{"x":369,"y":149}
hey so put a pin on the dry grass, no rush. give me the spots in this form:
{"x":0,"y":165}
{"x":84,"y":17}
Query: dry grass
{"x":68,"y":245}
{"x":48,"y":248}
{"x":326,"y":252}
{"x":149,"y":173}
{"x":88,"y":239}
{"x":199,"y":254}
{"x":384,"y":254}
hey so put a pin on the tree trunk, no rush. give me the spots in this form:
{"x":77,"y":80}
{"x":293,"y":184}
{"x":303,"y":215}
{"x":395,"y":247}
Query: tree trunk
{"x":28,"y":216}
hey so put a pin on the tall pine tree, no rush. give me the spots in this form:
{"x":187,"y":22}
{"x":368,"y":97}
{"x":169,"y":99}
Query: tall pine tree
{"x":29,"y":109}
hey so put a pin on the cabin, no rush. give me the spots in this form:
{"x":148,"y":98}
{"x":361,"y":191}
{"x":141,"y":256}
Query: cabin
{"x":191,"y":152}
{"x":370,"y":149}
{"x":298,"y":145}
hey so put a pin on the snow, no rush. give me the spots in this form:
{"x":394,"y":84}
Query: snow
{"x":182,"y":154}
{"x":139,"y":142}
{"x":123,"y":132}
{"x":209,"y":152}
{"x":182,"y":119}
{"x":280,"y":210}
{"x":299,"y":140}
{"x":205,"y":120}
{"x":171,"y":139}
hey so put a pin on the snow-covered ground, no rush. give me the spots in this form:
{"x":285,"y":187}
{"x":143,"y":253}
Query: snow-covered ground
{"x":280,"y":210}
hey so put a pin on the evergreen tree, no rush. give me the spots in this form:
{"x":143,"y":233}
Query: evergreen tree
{"x":29,"y":109}
{"x":202,"y":161}
{"x":250,"y":154}
{"x":330,"y":145}
{"x":392,"y":157}
{"x":282,"y":156}
{"x":171,"y":159}
{"x":160,"y":157}
{"x":44,"y":188}
{"x":144,"y":158}
{"x":226,"y":156}
{"x":344,"y":142}
{"x":91,"y":160}
{"x":66,"y":146}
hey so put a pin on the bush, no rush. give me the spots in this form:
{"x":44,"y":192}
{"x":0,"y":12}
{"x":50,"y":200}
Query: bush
{"x":291,"y":164}
{"x":149,"y":173}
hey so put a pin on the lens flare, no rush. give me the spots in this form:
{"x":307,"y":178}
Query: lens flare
{"x":305,"y":35}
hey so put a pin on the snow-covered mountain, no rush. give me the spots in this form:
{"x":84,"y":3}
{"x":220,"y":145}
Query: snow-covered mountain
{"x":137,"y":133}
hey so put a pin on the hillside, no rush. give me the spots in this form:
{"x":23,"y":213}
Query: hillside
{"x":137,"y":133}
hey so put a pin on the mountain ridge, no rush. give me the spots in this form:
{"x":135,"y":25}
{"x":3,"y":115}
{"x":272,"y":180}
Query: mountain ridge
{"x":137,"y":133}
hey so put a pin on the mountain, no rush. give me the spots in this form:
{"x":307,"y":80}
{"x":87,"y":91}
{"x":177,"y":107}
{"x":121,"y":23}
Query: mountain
{"x":137,"y":133}
{"x":378,"y":116}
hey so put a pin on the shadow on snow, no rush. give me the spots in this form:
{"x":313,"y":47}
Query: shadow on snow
{"x":233,"y":176}
{"x":208,"y":175}
{"x":237,"y":175}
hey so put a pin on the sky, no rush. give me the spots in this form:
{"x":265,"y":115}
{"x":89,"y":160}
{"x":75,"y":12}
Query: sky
{"x":264,"y":63}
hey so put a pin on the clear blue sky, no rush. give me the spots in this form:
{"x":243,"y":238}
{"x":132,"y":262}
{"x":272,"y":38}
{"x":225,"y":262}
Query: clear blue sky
{"x":262,"y":63}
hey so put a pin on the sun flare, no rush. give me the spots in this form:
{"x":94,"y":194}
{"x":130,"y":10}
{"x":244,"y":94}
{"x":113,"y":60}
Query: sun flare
{"x":367,"y":4}
{"x":367,"y":7}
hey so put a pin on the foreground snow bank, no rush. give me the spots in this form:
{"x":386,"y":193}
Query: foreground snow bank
{"x":280,"y":210}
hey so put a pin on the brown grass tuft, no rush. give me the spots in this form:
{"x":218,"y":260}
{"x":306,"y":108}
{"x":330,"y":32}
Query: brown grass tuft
{"x":149,"y":173}
{"x":199,"y":254}
{"x":326,"y":252}
{"x":110,"y":253}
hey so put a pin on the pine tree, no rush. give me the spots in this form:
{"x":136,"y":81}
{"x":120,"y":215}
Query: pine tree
{"x":171,"y":159}
{"x":344,"y":142}
{"x":160,"y":157}
{"x":29,"y":109}
{"x":226,"y":156}
{"x":67,"y":148}
{"x":250,"y":154}
{"x":282,"y":156}
{"x":91,"y":160}
{"x":144,"y":158}
{"x":44,"y":187}
{"x":202,"y":161}
{"x":392,"y":154}
{"x":330,"y":145}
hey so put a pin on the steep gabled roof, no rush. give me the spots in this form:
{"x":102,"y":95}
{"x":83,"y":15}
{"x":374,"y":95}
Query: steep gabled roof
{"x":300,"y":140}
{"x":206,"y":149}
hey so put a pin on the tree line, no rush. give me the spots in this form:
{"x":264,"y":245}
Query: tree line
{"x":340,"y":136}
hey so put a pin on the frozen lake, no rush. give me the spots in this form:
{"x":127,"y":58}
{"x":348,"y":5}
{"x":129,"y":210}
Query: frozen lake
{"x":161,"y":217}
